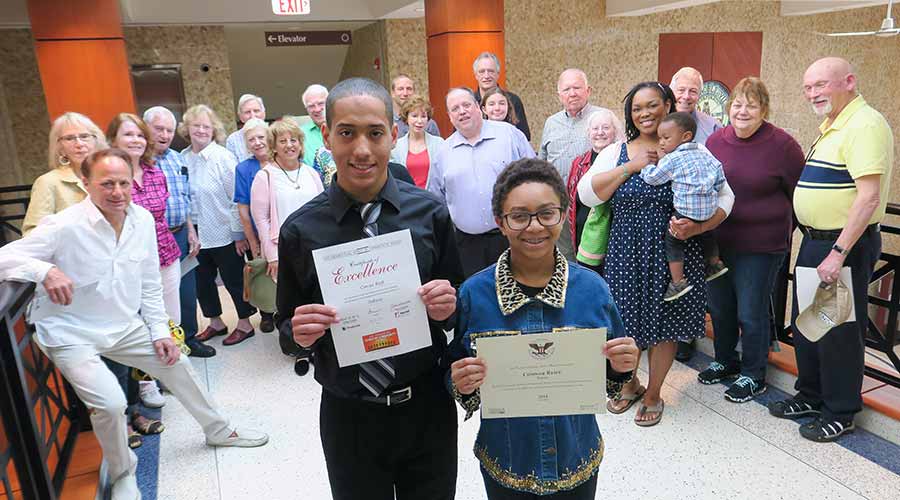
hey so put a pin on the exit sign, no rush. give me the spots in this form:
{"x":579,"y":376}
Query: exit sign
{"x":290,"y":7}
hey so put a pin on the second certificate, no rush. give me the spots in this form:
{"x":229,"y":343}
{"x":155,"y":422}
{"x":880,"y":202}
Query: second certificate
{"x":373,"y":283}
{"x":543,"y":374}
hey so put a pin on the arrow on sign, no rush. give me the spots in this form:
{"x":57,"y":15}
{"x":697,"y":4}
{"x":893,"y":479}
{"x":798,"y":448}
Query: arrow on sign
{"x":272,"y":39}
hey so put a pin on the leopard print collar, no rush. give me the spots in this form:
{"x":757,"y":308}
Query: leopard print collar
{"x":510,"y":296}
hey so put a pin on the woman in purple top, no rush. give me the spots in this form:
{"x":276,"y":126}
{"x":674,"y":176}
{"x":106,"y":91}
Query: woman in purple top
{"x":148,"y":190}
{"x":762,"y":164}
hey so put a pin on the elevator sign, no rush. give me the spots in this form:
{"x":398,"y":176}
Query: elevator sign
{"x":290,"y":7}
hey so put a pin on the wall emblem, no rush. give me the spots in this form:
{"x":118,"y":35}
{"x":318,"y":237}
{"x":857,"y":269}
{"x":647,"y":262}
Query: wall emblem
{"x":714,"y":100}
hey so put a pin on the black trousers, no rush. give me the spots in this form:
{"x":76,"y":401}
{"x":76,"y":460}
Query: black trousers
{"x":372,"y":450}
{"x":230,"y":266}
{"x":675,"y":247}
{"x":478,"y":251}
{"x":584,"y":491}
{"x":830,"y":371}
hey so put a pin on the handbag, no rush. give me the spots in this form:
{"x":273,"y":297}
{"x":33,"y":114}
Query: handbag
{"x":259,"y":287}
{"x":595,"y":236}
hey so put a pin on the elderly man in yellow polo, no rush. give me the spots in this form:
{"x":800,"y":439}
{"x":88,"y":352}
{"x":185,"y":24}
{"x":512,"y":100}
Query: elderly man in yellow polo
{"x":839,"y":203}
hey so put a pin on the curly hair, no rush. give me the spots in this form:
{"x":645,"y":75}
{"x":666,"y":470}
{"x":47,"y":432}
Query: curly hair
{"x":413,"y":103}
{"x":285,"y":125}
{"x":527,"y":170}
{"x":665,"y":92}
{"x":194,"y":113}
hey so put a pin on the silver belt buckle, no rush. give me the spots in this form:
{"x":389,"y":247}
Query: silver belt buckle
{"x":399,"y":396}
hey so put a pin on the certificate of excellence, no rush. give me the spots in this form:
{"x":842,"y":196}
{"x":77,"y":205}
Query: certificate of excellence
{"x":543,"y":374}
{"x":373,"y":283}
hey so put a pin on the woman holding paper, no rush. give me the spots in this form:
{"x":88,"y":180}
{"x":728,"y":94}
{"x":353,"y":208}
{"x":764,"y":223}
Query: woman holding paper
{"x":533,"y":289}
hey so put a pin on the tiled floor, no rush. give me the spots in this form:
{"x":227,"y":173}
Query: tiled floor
{"x":705,"y":447}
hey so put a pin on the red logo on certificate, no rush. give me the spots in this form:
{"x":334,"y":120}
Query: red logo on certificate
{"x":381,"y":340}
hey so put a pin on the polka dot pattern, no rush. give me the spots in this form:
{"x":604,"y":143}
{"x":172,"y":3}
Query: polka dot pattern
{"x":637,"y":271}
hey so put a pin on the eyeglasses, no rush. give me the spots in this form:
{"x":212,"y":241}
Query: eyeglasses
{"x":547,"y":217}
{"x":70,"y":139}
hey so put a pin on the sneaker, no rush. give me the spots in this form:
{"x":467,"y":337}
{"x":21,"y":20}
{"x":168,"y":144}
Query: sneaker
{"x":823,"y":431}
{"x":150,"y":395}
{"x":716,"y":372}
{"x":793,"y":408}
{"x":744,"y":389}
{"x":676,"y":290}
{"x":243,"y":438}
{"x":715,"y":270}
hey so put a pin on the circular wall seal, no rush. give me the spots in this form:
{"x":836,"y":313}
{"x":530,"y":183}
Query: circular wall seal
{"x":713,"y":100}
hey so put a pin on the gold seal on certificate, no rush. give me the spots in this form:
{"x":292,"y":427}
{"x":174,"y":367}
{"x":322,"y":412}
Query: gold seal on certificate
{"x":543,"y":374}
{"x":373,"y":283}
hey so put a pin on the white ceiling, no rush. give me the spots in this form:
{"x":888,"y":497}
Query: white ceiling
{"x":14,"y":13}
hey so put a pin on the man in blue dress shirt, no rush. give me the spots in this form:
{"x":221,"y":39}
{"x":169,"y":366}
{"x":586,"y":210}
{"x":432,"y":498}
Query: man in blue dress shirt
{"x":463,"y":174}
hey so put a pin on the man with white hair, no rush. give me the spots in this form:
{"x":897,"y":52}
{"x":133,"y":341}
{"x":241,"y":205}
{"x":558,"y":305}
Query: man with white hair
{"x":314,"y":101}
{"x":487,"y":74}
{"x":402,"y":88}
{"x":687,"y":83}
{"x":178,"y":216}
{"x":463,"y":174}
{"x":565,"y":133}
{"x":249,"y":106}
{"x":99,"y":294}
{"x":839,"y":202}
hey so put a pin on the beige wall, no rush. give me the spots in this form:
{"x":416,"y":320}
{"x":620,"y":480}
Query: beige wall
{"x":407,"y":51}
{"x":25,"y":123}
{"x":368,"y":45}
{"x":191,"y":46}
{"x":619,"y":52}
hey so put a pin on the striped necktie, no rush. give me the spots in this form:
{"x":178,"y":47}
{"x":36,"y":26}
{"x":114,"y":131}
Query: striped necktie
{"x":376,"y":375}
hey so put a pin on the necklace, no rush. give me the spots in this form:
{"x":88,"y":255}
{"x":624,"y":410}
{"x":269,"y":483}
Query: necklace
{"x":295,"y":181}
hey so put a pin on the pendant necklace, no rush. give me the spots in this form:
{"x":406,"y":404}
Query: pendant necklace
{"x":295,"y":181}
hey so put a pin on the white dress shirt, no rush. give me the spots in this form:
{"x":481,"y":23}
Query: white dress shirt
{"x":236,"y":145}
{"x":211,"y":174}
{"x":117,"y":283}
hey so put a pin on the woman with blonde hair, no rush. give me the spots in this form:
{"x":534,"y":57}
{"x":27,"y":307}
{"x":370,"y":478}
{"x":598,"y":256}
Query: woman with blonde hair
{"x":73,"y":137}
{"x":211,"y":170}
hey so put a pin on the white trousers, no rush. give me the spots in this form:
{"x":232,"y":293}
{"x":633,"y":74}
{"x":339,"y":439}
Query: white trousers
{"x":171,"y":282}
{"x":99,"y":389}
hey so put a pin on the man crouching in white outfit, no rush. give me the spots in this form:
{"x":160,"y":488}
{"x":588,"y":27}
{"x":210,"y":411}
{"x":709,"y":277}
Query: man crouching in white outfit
{"x":102,"y":296}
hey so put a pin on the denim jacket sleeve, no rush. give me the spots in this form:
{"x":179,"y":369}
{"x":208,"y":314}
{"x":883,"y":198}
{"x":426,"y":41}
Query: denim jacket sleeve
{"x":459,"y":349}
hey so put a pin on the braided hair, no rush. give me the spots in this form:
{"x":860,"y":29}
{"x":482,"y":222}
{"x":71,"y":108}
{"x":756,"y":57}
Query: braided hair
{"x":665,"y":92}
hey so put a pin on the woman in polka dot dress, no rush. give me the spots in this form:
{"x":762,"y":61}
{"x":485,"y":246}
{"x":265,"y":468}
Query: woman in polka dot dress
{"x":636,"y":262}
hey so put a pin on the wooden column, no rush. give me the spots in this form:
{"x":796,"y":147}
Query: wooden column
{"x":459,"y":30}
{"x":81,"y":58}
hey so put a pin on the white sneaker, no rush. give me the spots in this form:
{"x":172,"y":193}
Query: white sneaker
{"x":125,"y":488}
{"x":150,"y":395}
{"x":243,"y":438}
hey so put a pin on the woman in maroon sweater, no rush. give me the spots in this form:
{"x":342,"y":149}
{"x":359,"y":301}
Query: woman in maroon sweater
{"x":762,"y":164}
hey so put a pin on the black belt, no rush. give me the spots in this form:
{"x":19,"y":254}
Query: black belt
{"x":175,"y":229}
{"x":392,"y":398}
{"x":830,"y":234}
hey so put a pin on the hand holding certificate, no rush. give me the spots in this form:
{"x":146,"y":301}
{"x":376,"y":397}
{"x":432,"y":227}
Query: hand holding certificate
{"x":543,"y":374}
{"x":373,"y":284}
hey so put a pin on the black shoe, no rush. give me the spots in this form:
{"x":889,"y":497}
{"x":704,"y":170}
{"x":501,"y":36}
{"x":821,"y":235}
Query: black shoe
{"x":793,"y":408}
{"x":744,"y":389}
{"x":824,"y":431}
{"x":301,"y":366}
{"x":200,"y":350}
{"x":267,"y":322}
{"x":716,"y":372}
{"x":685,"y":351}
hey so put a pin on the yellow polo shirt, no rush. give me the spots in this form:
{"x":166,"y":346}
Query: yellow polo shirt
{"x":857,"y":143}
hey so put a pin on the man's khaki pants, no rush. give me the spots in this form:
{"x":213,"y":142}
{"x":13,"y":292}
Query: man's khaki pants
{"x":98,"y":388}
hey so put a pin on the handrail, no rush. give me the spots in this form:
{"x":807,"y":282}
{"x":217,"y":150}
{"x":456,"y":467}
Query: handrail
{"x":40,"y":413}
{"x":6,"y":219}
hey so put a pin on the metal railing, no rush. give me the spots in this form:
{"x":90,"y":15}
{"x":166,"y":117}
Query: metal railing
{"x":41,"y":416}
{"x":881,"y":335}
{"x":18,"y":205}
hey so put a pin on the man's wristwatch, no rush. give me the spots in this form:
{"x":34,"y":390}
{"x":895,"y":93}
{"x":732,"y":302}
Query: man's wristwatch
{"x":839,"y":249}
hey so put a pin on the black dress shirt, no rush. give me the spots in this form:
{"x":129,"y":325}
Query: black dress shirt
{"x":520,"y":111}
{"x":331,"y":219}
